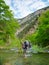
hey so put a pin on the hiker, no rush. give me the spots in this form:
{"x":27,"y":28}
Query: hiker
{"x":25,"y":46}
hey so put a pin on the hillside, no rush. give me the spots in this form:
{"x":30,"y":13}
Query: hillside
{"x":28,"y":23}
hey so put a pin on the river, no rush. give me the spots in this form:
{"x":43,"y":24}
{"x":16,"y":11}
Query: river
{"x":13,"y":58}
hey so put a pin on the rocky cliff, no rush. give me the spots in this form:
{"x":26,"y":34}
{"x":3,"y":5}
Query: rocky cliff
{"x":29,"y":22}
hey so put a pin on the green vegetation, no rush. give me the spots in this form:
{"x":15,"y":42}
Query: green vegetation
{"x":43,"y":30}
{"x":41,"y":35}
{"x":8,"y":25}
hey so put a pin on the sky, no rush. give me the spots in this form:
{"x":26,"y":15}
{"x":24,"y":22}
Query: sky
{"x":22,"y":8}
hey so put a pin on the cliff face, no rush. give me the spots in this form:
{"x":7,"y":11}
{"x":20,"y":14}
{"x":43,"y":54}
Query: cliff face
{"x":29,"y":22}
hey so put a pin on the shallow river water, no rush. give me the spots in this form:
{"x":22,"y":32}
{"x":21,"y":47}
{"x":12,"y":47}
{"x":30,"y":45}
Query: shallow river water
{"x":13,"y":58}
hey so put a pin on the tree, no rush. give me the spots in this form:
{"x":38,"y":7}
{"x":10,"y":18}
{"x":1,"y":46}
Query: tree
{"x":43,"y":29}
{"x":8,"y":25}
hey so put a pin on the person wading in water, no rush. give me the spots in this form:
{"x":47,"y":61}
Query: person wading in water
{"x":25,"y":45}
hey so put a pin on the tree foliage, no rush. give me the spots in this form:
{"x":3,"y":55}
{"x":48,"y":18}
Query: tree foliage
{"x":43,"y":29}
{"x":8,"y":24}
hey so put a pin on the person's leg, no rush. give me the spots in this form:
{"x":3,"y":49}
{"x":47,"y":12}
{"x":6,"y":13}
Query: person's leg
{"x":24,"y":52}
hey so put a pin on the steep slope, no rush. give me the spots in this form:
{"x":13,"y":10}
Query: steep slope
{"x":29,"y":23}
